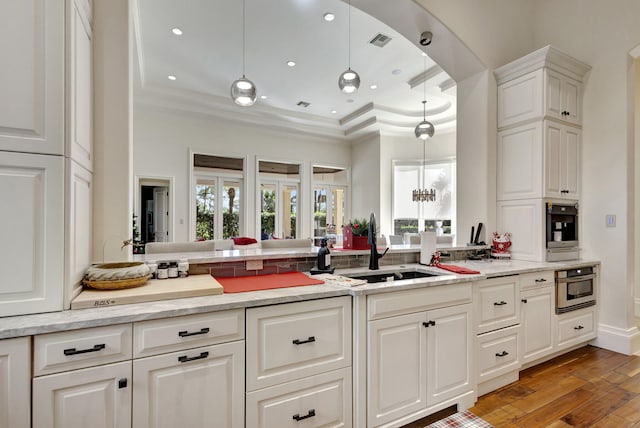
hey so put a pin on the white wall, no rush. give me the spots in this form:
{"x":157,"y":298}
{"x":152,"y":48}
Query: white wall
{"x":178,"y":133}
{"x":365,"y":178}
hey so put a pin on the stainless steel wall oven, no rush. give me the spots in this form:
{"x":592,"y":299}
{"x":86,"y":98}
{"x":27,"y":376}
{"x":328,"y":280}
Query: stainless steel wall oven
{"x":575,"y":289}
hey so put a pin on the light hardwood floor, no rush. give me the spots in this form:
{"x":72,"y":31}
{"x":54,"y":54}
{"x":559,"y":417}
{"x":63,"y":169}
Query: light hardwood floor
{"x":588,"y":387}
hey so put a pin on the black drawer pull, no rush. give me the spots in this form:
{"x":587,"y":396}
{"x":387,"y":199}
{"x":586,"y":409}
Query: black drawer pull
{"x":541,"y":280}
{"x":311,"y":413}
{"x":500,"y":303}
{"x":502,"y":354}
{"x":301,"y":342}
{"x":122,"y":383}
{"x":184,"y":358}
{"x":186,"y":333}
{"x":73,"y":351}
{"x":524,"y":300}
{"x":429,"y":323}
{"x":578,"y":327}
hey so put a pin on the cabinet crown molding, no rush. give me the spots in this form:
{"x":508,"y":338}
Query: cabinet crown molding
{"x":548,"y":57}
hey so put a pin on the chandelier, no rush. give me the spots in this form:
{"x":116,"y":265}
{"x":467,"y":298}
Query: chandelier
{"x":424,"y":195}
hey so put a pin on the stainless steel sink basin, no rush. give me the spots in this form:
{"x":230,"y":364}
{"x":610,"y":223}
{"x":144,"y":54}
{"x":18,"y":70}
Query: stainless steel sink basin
{"x":372,"y":277}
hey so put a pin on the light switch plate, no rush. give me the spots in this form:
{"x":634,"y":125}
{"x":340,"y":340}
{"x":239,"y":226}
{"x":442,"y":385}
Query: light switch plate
{"x":254,"y":265}
{"x":611,"y":220}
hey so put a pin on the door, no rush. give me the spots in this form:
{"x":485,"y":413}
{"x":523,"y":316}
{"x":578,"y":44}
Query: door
{"x":15,"y":383}
{"x":397,"y":367}
{"x":537,"y":326}
{"x":31,"y":227}
{"x":194,"y":388}
{"x":449,"y":353}
{"x":161,"y":214}
{"x":94,"y":397}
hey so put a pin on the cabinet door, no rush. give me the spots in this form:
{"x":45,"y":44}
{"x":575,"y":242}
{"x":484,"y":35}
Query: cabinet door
{"x":32,"y":41}
{"x":520,"y":162}
{"x":449,"y":353}
{"x":15,"y":383}
{"x":80,"y":84}
{"x":497,"y":303}
{"x":397,"y":367}
{"x":562,"y":147}
{"x":575,"y":327}
{"x":537,"y":326}
{"x":31,"y":227}
{"x":571,"y":162}
{"x":95,"y":397}
{"x":563,"y":97}
{"x":195,"y":388}
{"x":525,"y":220}
{"x":520,"y":99}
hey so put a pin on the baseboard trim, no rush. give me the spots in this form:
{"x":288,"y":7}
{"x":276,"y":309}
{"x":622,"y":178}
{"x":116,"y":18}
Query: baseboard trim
{"x":624,"y":341}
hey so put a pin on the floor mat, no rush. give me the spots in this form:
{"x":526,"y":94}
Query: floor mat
{"x":240,"y":284}
{"x":464,"y":419}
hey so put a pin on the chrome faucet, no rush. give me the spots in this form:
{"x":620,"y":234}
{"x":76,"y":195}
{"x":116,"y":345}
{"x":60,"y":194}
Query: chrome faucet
{"x":375,"y":256}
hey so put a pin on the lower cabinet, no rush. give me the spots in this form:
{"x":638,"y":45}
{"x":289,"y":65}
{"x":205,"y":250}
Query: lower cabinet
{"x":575,"y":327}
{"x":15,"y":383}
{"x":190,"y":389}
{"x":93,"y":397}
{"x":537,"y":326}
{"x":417,"y":361}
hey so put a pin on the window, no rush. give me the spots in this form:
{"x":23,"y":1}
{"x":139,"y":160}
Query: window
{"x":412,"y":217}
{"x":329,"y":202}
{"x":279,"y":187}
{"x":218,"y":206}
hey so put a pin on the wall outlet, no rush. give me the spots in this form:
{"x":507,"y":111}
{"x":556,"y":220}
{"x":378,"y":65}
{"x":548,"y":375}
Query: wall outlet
{"x":254,"y":265}
{"x":611,"y":220}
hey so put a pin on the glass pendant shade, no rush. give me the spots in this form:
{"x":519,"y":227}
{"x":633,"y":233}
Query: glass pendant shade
{"x":349,"y":81}
{"x":424,"y":130}
{"x":243,"y":92}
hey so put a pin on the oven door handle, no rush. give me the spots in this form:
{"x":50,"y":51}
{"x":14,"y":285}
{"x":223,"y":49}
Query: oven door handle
{"x":576,"y":278}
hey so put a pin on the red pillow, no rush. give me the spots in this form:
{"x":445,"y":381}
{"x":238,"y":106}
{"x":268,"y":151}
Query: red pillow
{"x":244,"y":241}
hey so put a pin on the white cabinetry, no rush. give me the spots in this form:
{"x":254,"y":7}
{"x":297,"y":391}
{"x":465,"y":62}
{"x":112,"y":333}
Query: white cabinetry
{"x":575,"y":327}
{"x":79,"y":388}
{"x":538,"y":303}
{"x":562,"y":160}
{"x":563,"y":97}
{"x":15,"y":383}
{"x":31,"y":226}
{"x":299,"y":364}
{"x":525,"y":220}
{"x":418,"y":361}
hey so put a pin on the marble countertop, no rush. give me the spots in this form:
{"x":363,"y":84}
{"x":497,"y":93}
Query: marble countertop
{"x":25,"y":325}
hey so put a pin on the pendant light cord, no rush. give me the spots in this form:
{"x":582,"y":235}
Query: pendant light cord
{"x":349,"y":28}
{"x":243,"y":37}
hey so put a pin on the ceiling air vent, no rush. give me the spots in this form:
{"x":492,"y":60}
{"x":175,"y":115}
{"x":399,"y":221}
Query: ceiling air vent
{"x":380,"y":40}
{"x":303,"y":104}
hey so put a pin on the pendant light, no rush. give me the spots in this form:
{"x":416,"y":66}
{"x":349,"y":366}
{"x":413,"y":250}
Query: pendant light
{"x":424,"y":194}
{"x":349,"y":81}
{"x":243,"y":91}
{"x":424,"y":130}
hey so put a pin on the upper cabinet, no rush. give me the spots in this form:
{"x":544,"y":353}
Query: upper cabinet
{"x":539,"y":124}
{"x":32,"y":40}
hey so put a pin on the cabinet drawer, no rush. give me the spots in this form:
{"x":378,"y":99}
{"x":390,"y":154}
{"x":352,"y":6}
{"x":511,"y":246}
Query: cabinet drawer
{"x":173,"y":334}
{"x":497,"y":303}
{"x":576,"y":327}
{"x":498,"y":353}
{"x":536,"y":279}
{"x":289,"y":341}
{"x":69,"y":350}
{"x":319,"y":401}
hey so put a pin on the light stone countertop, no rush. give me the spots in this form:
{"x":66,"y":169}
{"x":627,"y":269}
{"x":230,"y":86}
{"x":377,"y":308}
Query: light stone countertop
{"x":25,"y":325}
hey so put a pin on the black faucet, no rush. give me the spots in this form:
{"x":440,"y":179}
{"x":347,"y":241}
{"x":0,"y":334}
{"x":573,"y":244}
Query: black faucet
{"x":375,"y":256}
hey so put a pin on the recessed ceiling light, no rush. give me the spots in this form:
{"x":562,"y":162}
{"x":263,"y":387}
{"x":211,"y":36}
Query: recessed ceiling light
{"x":350,"y":100}
{"x":334,"y":111}
{"x":396,"y":72}
{"x":329,"y":16}
{"x":291,"y":63}
{"x":176,"y":31}
{"x":263,"y":97}
{"x":373,"y":87}
{"x":171,"y":77}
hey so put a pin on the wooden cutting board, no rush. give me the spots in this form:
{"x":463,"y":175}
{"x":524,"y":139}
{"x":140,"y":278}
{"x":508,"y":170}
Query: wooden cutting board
{"x":153,"y":290}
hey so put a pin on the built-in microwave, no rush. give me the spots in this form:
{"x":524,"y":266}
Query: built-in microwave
{"x":562,"y":231}
{"x":575,"y":289}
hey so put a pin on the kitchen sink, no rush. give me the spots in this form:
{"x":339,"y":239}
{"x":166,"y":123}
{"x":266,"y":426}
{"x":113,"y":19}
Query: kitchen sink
{"x":393,"y":276}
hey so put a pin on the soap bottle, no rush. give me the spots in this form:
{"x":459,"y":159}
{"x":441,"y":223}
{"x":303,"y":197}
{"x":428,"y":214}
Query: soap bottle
{"x":324,"y":256}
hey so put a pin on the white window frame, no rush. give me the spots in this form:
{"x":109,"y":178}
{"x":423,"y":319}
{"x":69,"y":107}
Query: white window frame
{"x":330,"y":186}
{"x":278,"y":183}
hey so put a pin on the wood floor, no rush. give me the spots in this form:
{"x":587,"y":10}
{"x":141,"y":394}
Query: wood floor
{"x":588,"y":387}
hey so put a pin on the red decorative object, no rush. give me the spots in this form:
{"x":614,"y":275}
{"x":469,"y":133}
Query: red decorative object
{"x":350,"y":242}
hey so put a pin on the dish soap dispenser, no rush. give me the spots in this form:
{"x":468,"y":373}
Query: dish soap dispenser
{"x":324,"y":259}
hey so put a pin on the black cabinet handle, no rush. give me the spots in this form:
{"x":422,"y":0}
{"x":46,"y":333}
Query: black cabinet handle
{"x":502,"y":354}
{"x":310,"y":414}
{"x":578,"y":327}
{"x":73,"y":351}
{"x":122,"y":383}
{"x":429,"y":323}
{"x":300,"y":342}
{"x":500,"y":303}
{"x":185,"y":359}
{"x":186,"y":333}
{"x":540,"y":280}
{"x":524,"y":300}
